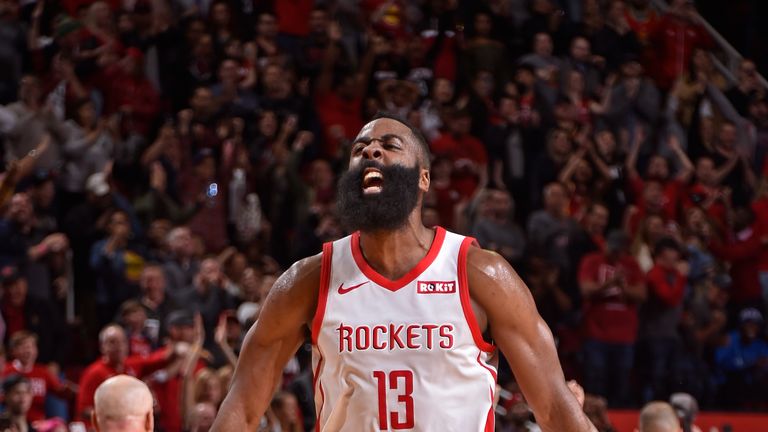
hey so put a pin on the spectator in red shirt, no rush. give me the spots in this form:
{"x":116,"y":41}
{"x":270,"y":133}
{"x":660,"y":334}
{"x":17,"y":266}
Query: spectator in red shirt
{"x":742,"y":248}
{"x":642,"y":19}
{"x":589,"y":237}
{"x":660,"y":317}
{"x":128,"y":91}
{"x":339,"y":99}
{"x":594,"y":223}
{"x":707,"y":190}
{"x":23,"y":346}
{"x":760,"y":209}
{"x":612,"y":285}
{"x":133,"y":317}
{"x":206,"y":180}
{"x":443,"y":191}
{"x":469,"y":157}
{"x":114,"y":361}
{"x":293,"y":18}
{"x":651,"y":203}
{"x":678,"y":33}
{"x":658,"y":170}
{"x":167,"y":383}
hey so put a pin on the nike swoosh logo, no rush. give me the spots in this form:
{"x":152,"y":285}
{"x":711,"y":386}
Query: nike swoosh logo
{"x":343,"y":290}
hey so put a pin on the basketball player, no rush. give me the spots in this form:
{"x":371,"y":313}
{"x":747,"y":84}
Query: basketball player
{"x":123,"y":404}
{"x":398,"y":314}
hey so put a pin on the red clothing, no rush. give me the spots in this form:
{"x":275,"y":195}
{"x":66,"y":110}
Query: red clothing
{"x":169,"y":399}
{"x":14,"y":319}
{"x":72,"y":6}
{"x":666,"y":285}
{"x":468,"y":155}
{"x":41,"y":381}
{"x":635,"y":219}
{"x":390,"y":20}
{"x":578,"y":205}
{"x":608,"y":316}
{"x":99,"y":371}
{"x":716,"y":210}
{"x":446,"y":61}
{"x":210,"y":222}
{"x":121,"y":89}
{"x":743,"y":253}
{"x":674,"y":40}
{"x":671,"y":190}
{"x":335,"y":111}
{"x":760,"y":207}
{"x":293,"y":16}
{"x":446,"y":197}
{"x":139,"y":345}
{"x":643,"y":29}
{"x":599,"y":241}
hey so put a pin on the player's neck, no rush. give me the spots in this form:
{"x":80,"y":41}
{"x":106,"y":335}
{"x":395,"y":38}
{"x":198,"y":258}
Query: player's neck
{"x":394,"y":253}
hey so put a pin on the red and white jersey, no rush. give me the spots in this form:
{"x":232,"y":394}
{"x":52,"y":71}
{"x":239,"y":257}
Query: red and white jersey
{"x":400,"y":355}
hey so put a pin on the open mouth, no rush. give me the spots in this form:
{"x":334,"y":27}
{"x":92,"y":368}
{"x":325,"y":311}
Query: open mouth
{"x":373,"y":180}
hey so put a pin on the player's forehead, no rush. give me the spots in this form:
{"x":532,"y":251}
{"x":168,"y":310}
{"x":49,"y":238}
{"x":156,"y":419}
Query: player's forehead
{"x":384,"y":126}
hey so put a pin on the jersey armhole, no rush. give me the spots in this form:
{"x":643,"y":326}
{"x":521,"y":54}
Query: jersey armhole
{"x":466,"y":301}
{"x":322,"y":298}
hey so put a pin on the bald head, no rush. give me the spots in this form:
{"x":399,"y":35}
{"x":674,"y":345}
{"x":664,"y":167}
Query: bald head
{"x":123,"y":403}
{"x":659,"y":417}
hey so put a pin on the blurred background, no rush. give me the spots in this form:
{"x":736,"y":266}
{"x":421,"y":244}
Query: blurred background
{"x":165,"y":160}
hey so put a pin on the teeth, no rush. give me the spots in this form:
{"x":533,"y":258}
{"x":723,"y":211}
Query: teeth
{"x":371,"y":175}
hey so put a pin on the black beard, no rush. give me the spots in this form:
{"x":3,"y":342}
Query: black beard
{"x":386,"y":210}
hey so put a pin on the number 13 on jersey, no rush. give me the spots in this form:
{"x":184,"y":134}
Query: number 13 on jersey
{"x":399,"y":382}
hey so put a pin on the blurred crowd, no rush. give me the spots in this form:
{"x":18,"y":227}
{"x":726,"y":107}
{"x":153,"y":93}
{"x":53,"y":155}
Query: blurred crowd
{"x":165,"y":160}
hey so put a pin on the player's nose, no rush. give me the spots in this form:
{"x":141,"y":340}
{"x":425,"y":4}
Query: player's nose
{"x":373,"y":151}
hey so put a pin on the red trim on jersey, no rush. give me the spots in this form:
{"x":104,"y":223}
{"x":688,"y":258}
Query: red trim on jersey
{"x":490,"y":420}
{"x":493,"y":372}
{"x":466,"y":302}
{"x":322,"y":297}
{"x":395,"y":285}
{"x":315,"y":387}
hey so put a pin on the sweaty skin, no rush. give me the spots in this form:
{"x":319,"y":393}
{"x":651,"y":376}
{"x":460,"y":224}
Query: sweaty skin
{"x":501,"y":300}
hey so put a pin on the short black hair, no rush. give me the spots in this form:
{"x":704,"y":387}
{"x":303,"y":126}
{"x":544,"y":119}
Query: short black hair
{"x":12,"y":381}
{"x":425,"y":156}
{"x":664,"y":244}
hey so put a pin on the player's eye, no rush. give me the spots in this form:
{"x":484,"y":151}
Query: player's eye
{"x":389,"y":144}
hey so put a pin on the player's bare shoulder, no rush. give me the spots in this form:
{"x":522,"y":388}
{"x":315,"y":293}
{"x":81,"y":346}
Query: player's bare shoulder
{"x":494,"y":285}
{"x":487,"y":270}
{"x":295,"y":292}
{"x":302,"y":277}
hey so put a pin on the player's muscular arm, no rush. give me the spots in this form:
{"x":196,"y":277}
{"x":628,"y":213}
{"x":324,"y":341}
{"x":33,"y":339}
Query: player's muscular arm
{"x":269,"y":344}
{"x":525,"y":340}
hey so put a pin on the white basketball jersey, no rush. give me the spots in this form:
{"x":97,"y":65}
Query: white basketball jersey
{"x":404,"y":355}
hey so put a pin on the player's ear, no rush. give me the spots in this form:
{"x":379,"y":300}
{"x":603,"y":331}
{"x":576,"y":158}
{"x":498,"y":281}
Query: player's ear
{"x":94,"y":421}
{"x":424,"y":180}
